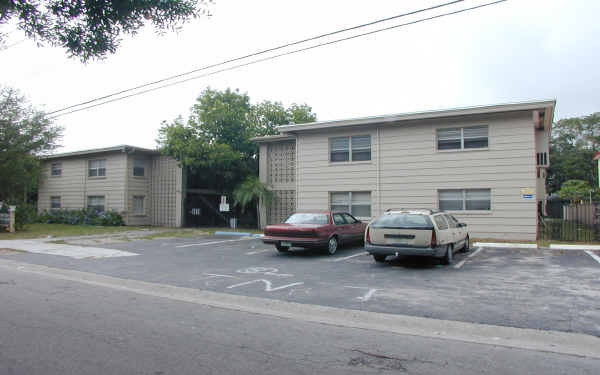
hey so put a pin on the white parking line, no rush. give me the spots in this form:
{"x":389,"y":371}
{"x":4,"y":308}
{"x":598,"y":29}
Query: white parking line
{"x":213,"y":243}
{"x":462,"y":262}
{"x":344,"y":258}
{"x":258,"y":251}
{"x":594,"y":256}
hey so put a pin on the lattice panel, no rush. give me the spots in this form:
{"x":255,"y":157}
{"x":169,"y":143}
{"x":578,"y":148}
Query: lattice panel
{"x":281,"y":163}
{"x":284,"y":204}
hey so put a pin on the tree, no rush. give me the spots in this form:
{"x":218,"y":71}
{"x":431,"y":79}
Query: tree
{"x":214,"y":143}
{"x":25,"y":134}
{"x":252,"y":190}
{"x":576,"y":190}
{"x":91,"y":28}
{"x":572,"y":145}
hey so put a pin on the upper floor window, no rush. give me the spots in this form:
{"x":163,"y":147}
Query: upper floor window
{"x":97,"y":168}
{"x":355,"y":148}
{"x":139,"y":167}
{"x":56,"y":169}
{"x":462,"y":138}
{"x":465,"y":199}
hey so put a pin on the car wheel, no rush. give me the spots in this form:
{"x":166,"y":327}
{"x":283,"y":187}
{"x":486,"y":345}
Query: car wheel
{"x":467,"y":246}
{"x":447,"y":259}
{"x":282,"y":249}
{"x":379,"y":258}
{"x":332,"y":245}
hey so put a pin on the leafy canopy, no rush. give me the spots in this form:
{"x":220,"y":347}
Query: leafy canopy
{"x":214,"y":143}
{"x":572,"y":145}
{"x":575,"y":190}
{"x":91,"y":29}
{"x":251,"y":190}
{"x":25,"y":133}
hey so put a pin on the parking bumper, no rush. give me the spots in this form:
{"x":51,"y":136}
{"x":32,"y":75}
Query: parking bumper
{"x":404,"y":250}
{"x":295,"y":241}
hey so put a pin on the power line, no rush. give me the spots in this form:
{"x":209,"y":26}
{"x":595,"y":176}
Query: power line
{"x":257,"y":53}
{"x":276,"y":56}
{"x":12,"y":45}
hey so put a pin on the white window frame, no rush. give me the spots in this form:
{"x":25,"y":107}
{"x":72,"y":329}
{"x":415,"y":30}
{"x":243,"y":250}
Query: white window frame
{"x":56,"y":169}
{"x":349,"y":203}
{"x":91,"y":197}
{"x":53,"y":198}
{"x":100,"y":170}
{"x":462,"y":138}
{"x":135,"y":209}
{"x":350,"y":157}
{"x":464,"y":200}
{"x":141,"y":164}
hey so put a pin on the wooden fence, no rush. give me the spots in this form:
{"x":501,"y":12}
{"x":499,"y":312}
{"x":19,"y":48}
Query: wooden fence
{"x":584,"y":213}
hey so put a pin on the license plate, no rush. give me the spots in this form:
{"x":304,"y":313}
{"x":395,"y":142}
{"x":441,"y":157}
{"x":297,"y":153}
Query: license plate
{"x":286,"y":243}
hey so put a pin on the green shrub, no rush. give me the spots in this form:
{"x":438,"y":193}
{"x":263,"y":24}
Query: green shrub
{"x":81,"y":217}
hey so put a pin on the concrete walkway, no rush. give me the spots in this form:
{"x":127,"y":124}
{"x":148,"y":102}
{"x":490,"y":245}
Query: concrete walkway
{"x":77,"y":252}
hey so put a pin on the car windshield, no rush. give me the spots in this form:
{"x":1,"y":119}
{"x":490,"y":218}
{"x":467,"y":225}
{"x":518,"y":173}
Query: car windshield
{"x":402,"y":221}
{"x":308,"y":219}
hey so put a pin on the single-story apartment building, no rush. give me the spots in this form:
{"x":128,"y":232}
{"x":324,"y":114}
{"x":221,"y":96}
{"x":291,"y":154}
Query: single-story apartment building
{"x":141,"y":184}
{"x":485,"y":165}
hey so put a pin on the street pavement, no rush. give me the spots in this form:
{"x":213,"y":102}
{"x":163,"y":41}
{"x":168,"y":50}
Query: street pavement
{"x":53,"y":326}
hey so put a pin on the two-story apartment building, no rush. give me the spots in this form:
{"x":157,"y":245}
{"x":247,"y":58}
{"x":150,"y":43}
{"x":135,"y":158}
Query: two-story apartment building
{"x":141,"y":184}
{"x":486,"y":165}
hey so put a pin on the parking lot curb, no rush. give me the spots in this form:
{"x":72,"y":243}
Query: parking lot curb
{"x":507,"y":245}
{"x":243,"y":234}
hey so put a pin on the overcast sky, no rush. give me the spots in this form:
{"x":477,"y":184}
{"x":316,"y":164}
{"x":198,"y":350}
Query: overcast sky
{"x":519,"y":50}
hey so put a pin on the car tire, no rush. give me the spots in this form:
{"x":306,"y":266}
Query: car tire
{"x":282,"y":249}
{"x":332,"y":245}
{"x":467,"y":245}
{"x":448,"y":257}
{"x":379,"y":258}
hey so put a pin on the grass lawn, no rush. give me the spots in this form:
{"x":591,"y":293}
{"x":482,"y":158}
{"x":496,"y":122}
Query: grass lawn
{"x":63,"y":230}
{"x":66,"y":230}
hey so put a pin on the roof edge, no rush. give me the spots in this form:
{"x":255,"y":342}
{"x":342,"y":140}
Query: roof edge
{"x":423,"y":115}
{"x":121,"y":148}
{"x":273,"y":138}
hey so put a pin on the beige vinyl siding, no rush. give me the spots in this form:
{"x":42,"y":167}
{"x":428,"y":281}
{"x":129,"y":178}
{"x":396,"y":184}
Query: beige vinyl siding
{"x":407,"y":170}
{"x":111,"y":186}
{"x":74,"y":185}
{"x":317,"y":176}
{"x":139,"y":186}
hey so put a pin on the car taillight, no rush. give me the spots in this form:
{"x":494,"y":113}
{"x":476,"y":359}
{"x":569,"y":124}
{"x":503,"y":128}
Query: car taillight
{"x":368,"y":239}
{"x":433,"y":239}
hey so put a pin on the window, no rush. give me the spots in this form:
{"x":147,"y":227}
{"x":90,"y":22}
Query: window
{"x":452,"y":221}
{"x":96,"y":202}
{"x":321,"y":219}
{"x":56,"y":169}
{"x":465,"y":199}
{"x":441,"y":222}
{"x":338,"y":219}
{"x":355,"y":148}
{"x":138,"y":204}
{"x":97,"y":168}
{"x":139,"y":166}
{"x":357,"y":203}
{"x":351,"y":219}
{"x":542,"y":158}
{"x":462,"y":138}
{"x":55,"y":203}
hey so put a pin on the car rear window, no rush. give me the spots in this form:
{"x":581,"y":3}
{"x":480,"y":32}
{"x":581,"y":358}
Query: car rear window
{"x":403,"y":221}
{"x":308,"y":219}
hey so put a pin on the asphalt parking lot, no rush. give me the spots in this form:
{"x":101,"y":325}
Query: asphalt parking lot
{"x":543,"y":289}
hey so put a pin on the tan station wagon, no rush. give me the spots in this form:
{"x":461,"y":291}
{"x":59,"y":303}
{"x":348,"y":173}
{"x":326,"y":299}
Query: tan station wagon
{"x":416,"y":232}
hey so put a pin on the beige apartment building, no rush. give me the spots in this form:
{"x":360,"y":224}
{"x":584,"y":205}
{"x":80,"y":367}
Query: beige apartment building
{"x":141,"y":184}
{"x":485,"y":165}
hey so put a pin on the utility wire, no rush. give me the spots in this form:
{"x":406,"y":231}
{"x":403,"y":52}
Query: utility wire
{"x":277,"y":56}
{"x":256,"y":54}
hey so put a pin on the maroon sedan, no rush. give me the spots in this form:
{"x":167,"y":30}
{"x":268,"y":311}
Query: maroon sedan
{"x":315,"y":229}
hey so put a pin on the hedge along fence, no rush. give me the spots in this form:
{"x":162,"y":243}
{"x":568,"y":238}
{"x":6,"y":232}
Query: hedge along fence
{"x":81,"y":217}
